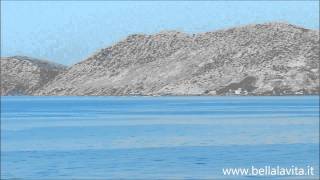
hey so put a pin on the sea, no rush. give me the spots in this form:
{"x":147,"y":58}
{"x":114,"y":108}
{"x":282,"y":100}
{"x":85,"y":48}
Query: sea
{"x":193,"y":137}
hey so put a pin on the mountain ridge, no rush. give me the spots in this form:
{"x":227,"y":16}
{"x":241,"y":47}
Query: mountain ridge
{"x":257,"y":59}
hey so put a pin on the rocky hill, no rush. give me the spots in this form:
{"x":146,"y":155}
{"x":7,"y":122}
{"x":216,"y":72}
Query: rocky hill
{"x":259,"y":59}
{"x":23,"y":75}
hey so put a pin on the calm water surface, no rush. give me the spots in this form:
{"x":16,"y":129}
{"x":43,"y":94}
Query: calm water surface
{"x":155,"y":137}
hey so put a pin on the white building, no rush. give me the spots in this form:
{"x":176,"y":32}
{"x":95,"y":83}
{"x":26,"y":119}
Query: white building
{"x":238,"y":91}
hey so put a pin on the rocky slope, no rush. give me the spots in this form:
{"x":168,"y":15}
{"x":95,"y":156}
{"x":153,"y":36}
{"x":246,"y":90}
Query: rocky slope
{"x":260,"y":59}
{"x":23,"y":75}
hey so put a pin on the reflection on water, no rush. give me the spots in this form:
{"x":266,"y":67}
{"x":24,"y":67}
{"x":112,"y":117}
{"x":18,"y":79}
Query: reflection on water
{"x":155,"y":137}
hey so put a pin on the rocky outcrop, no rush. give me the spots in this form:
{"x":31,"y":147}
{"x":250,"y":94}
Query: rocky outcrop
{"x":260,"y":59}
{"x":23,"y":75}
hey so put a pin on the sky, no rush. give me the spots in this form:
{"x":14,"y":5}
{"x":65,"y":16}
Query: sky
{"x":67,"y":32}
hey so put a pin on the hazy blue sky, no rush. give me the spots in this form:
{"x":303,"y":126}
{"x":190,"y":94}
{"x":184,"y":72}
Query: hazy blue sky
{"x":69,"y":31}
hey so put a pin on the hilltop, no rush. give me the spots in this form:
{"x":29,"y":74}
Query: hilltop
{"x":21,"y":75}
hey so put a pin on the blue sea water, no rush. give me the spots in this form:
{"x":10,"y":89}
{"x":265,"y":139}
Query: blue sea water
{"x":156,"y":137}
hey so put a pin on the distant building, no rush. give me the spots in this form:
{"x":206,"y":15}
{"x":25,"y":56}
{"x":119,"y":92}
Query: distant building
{"x":238,"y":91}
